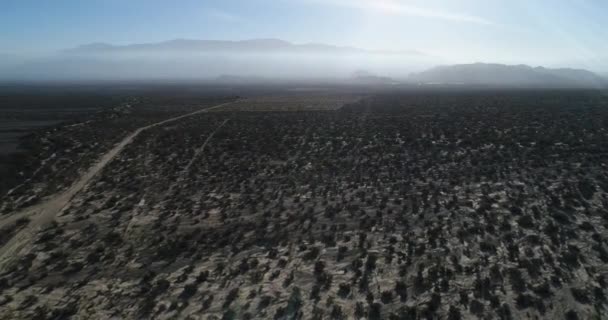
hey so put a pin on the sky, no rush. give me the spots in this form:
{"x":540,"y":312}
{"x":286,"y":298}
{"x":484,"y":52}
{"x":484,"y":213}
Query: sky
{"x":569,"y":33}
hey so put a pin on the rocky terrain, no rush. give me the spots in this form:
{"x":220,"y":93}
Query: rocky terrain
{"x":437,"y":205}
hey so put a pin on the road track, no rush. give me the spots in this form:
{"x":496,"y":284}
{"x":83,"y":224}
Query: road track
{"x":199,"y":151}
{"x":45,"y":212}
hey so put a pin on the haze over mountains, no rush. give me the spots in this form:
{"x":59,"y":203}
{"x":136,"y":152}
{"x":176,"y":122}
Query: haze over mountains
{"x":512,"y":76}
{"x":208,"y":59}
{"x":258,"y":60}
{"x":222,"y":46}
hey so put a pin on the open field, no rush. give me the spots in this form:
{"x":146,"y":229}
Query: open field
{"x":402,"y":205}
{"x":292,"y":102}
{"x":49,"y":158}
{"x":12,"y":130}
{"x":22,"y":114}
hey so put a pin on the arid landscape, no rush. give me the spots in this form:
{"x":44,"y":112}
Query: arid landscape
{"x":336,"y":205}
{"x":304,"y":159}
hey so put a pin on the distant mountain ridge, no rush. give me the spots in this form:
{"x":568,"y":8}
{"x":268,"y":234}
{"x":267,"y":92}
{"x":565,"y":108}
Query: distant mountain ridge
{"x":510,"y":75}
{"x":243,"y":46}
{"x":268,"y":60}
{"x":366,"y":77}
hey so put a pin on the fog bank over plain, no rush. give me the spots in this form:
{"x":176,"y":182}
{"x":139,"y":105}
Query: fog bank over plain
{"x":273,"y":61}
{"x":205,"y":59}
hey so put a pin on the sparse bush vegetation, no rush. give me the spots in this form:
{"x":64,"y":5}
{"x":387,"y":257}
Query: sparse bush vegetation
{"x":475,"y":203}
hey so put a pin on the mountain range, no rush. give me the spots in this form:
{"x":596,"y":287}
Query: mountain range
{"x":491,"y":74}
{"x":208,"y":59}
{"x":248,"y":60}
{"x":223,"y":46}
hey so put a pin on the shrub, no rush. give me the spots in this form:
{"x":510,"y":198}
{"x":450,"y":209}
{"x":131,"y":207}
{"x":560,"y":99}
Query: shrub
{"x":312,"y":254}
{"x":337,"y":313}
{"x":504,"y":312}
{"x":188,"y":292}
{"x":375,"y":311}
{"x":524,"y":301}
{"x":476,"y":307}
{"x":454,"y":313}
{"x":264,"y":302}
{"x":315,"y":292}
{"x":319,"y":268}
{"x":571,"y":315}
{"x":344,"y":290}
{"x":288,"y":280}
{"x":341,"y":253}
{"x":359,"y":310}
{"x":386,"y":297}
{"x":293,"y":304}
{"x":401,"y":290}
{"x":526,"y":221}
{"x":232,"y":295}
{"x":229,"y":315}
{"x":580,"y":295}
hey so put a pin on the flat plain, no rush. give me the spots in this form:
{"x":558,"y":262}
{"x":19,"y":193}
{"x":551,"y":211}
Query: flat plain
{"x":394,"y":205}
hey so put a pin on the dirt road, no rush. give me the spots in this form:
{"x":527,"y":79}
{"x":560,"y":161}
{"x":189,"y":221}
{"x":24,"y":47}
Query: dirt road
{"x":199,"y":151}
{"x":45,"y":212}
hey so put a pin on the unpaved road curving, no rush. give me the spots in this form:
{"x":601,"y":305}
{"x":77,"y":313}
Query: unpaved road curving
{"x":45,"y":212}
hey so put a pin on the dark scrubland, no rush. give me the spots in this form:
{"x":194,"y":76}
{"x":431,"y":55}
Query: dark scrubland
{"x":404,"y":205}
{"x":70,"y":131}
{"x":25,"y":116}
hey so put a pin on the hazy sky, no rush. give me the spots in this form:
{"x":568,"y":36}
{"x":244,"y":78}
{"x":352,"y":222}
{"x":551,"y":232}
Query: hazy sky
{"x":547,"y":32}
